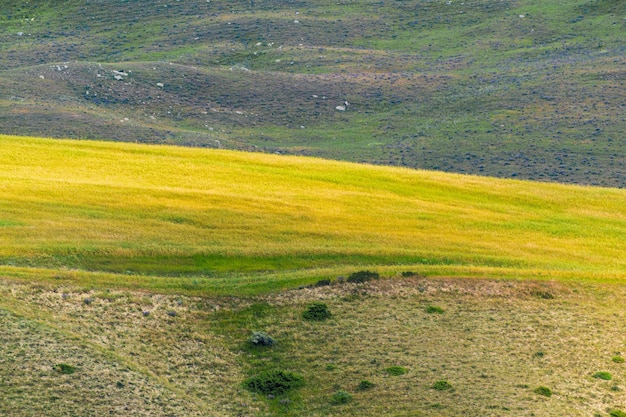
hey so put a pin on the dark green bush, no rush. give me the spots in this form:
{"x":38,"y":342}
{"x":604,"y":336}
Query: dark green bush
{"x":545,"y":391}
{"x":363,"y":276}
{"x":546,"y":295}
{"x":442,"y":385}
{"x":316,"y":312}
{"x":341,"y":397}
{"x":396,"y":370}
{"x":261,"y":339}
{"x":274,"y":382}
{"x":606,"y":376}
{"x":65,"y":369}
{"x":434,"y":310}
{"x":322,"y":283}
{"x":365,"y":385}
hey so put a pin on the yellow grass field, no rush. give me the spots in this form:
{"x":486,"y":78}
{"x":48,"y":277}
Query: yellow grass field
{"x":157,"y":210}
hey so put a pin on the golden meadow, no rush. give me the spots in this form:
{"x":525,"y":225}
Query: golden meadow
{"x":224,"y":220}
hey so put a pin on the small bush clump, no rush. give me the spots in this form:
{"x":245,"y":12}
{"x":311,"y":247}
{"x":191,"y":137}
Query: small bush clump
{"x":261,"y":339}
{"x":434,"y":310}
{"x":606,"y":376}
{"x":545,"y":391}
{"x":618,"y":359}
{"x":396,"y":370}
{"x":363,"y":276}
{"x":316,"y":312}
{"x":341,"y":397}
{"x":546,"y":295}
{"x":323,"y":283}
{"x":617,"y":413}
{"x":365,"y":385}
{"x":442,"y":385}
{"x":274,"y":382}
{"x":65,"y":369}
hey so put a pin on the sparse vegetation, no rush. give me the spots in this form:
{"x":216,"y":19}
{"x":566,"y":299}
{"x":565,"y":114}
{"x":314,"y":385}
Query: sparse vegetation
{"x":617,"y":413}
{"x":618,"y":359}
{"x":317,"y":312}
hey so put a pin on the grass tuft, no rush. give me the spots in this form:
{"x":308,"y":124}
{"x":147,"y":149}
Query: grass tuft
{"x":545,"y":391}
{"x":396,"y":370}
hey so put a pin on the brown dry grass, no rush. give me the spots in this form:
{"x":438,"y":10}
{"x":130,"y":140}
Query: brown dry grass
{"x":495,"y":343}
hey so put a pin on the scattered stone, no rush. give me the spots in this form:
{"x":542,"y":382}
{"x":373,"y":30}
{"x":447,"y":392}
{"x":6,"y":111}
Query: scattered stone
{"x":172,"y":313}
{"x":340,"y":108}
{"x":145,"y":313}
{"x":88,"y":301}
{"x":160,"y":85}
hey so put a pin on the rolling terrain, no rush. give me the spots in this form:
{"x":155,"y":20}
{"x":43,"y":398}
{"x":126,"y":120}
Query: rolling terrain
{"x":133,"y":277}
{"x":498,"y":88}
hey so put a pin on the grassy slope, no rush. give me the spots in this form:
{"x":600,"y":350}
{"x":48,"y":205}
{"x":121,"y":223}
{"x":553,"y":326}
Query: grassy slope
{"x":464,"y":87}
{"x":238,"y":227}
{"x":171,"y":211}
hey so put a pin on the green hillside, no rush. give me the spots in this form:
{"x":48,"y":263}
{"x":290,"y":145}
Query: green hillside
{"x":133,"y":278}
{"x":500,"y":88}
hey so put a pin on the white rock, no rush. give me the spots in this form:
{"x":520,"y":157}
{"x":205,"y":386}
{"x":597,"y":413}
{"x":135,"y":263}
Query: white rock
{"x":160,"y":85}
{"x":340,"y":108}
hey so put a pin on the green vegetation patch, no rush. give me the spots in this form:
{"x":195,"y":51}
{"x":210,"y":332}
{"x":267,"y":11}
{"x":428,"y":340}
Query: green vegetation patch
{"x":434,"y":310}
{"x":341,"y":397}
{"x":317,"y":311}
{"x":617,"y":413}
{"x":442,"y":385}
{"x":365,"y":385}
{"x":65,"y":369}
{"x":396,"y":370}
{"x":275,"y":382}
{"x":545,"y":391}
{"x":363,"y":276}
{"x":606,"y":376}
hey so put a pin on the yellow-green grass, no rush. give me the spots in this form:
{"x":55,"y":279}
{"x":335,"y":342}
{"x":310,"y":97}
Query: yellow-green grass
{"x":217,"y":215}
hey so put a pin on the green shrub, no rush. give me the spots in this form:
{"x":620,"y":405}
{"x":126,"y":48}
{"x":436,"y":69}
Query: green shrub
{"x":322,"y":283}
{"x":442,"y":385}
{"x":65,"y":369}
{"x":434,"y":310}
{"x":617,"y":413}
{"x":316,"y":312}
{"x":365,"y":385}
{"x":261,"y":339}
{"x":341,"y":397}
{"x":396,"y":370}
{"x":546,"y":295}
{"x":363,"y":276}
{"x":606,"y":376}
{"x":274,"y":382}
{"x":545,"y":391}
{"x":618,"y":359}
